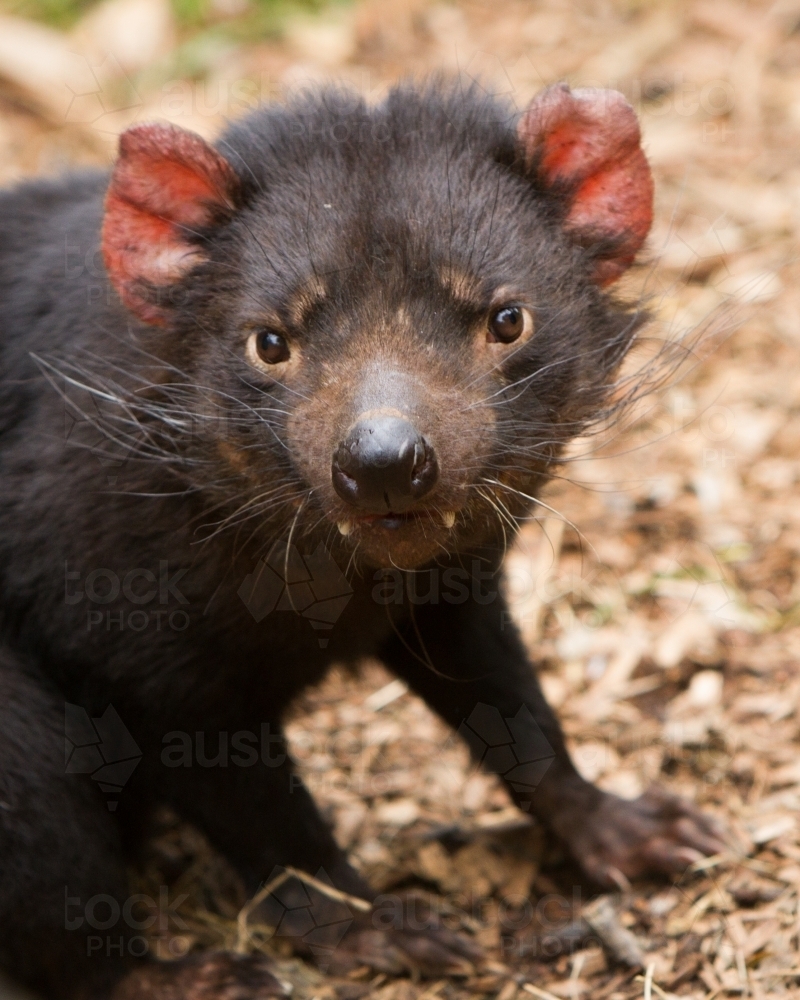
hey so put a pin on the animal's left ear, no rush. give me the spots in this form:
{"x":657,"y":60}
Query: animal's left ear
{"x":585,"y":147}
{"x":167,"y":187}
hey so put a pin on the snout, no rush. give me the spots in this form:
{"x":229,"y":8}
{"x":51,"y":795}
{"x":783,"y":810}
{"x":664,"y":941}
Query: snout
{"x":384,"y":464}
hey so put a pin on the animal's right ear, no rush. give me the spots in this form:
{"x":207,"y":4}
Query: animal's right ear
{"x":584,"y":146}
{"x":167,"y":188}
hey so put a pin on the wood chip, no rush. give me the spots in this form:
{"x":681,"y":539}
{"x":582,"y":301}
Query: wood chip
{"x":602,"y":917}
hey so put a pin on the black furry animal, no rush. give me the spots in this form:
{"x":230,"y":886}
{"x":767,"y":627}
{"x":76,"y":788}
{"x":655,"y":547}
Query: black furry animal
{"x":258,"y":400}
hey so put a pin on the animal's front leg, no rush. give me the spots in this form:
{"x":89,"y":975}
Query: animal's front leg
{"x":468,"y":662}
{"x":255,"y":809}
{"x":259,"y":814}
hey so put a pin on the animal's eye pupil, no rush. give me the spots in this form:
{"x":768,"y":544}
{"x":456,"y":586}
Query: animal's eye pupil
{"x":272,"y":347}
{"x":506,"y":324}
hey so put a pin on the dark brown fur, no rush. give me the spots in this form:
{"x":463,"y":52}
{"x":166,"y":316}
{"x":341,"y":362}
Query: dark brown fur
{"x":378,"y":241}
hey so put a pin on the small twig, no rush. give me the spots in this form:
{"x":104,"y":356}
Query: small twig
{"x":537,"y":992}
{"x":601,"y":916}
{"x":741,"y":967}
{"x":712,"y":861}
{"x":619,"y":878}
{"x":728,"y":857}
{"x":356,"y":902}
{"x":662,"y":993}
{"x":614,"y":984}
{"x":650,"y":984}
{"x":242,"y":930}
{"x":648,"y":980}
{"x":432,"y":991}
{"x":655,"y":987}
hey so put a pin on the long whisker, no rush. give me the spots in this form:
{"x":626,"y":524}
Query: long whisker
{"x":542,"y":503}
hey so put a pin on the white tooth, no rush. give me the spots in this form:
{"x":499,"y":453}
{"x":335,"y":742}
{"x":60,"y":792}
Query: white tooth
{"x":345,"y":527}
{"x":449,"y":518}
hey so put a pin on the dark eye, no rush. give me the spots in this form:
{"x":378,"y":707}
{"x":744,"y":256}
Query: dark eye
{"x":507,"y":324}
{"x":271,"y":347}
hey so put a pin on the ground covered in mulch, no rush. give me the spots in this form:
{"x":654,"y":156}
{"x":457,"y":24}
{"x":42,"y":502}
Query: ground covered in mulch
{"x":658,"y":590}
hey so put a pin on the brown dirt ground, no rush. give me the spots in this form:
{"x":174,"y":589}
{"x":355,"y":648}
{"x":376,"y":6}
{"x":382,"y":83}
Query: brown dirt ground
{"x":665,"y":604}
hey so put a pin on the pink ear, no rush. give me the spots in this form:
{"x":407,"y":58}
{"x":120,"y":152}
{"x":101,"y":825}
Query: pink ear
{"x":166,"y":184}
{"x":586,"y":145}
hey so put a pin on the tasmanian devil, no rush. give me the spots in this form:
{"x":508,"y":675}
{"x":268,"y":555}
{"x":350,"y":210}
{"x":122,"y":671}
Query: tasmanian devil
{"x":257,"y":398}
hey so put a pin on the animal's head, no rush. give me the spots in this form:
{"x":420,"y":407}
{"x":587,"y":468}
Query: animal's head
{"x":404,"y":307}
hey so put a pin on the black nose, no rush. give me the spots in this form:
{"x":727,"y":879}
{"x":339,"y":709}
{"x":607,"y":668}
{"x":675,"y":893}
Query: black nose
{"x":384,"y":464}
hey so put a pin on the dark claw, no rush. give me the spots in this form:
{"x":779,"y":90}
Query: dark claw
{"x":438,"y":952}
{"x":657,"y":832}
{"x":429,"y":953}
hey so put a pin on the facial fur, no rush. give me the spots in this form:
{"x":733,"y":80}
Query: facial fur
{"x":370,"y":250}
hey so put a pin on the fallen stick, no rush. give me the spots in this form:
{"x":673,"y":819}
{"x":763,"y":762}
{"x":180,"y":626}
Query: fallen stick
{"x":242,"y":930}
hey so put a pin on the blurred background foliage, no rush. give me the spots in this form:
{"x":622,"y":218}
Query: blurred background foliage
{"x":240,"y":19}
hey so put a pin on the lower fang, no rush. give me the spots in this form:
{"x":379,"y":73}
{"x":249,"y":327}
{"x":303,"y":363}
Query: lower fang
{"x":449,"y":518}
{"x":345,"y":527}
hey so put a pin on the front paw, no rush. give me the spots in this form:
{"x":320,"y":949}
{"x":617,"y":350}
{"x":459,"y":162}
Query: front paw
{"x":661,"y":833}
{"x":216,"y":975}
{"x":430,"y":952}
{"x":400,"y":934}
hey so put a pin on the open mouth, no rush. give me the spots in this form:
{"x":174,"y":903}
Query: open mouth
{"x":392,"y":521}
